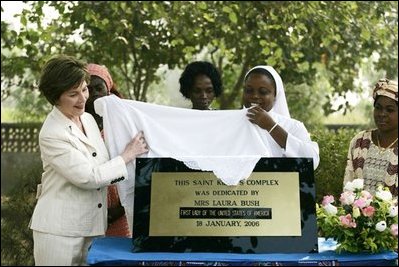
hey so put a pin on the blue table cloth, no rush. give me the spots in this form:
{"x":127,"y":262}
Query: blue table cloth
{"x":118,"y":251}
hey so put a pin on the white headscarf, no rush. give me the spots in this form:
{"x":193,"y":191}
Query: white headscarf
{"x":280,"y":103}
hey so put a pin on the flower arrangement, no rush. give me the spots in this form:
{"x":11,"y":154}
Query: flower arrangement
{"x":360,"y":222}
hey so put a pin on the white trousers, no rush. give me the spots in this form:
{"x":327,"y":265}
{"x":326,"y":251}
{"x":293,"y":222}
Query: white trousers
{"x":58,"y":250}
{"x":129,"y":210}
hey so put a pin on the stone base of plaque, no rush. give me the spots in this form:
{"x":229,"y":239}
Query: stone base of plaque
{"x":177,"y":209}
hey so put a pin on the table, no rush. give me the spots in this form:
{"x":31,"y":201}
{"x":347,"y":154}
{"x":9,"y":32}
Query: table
{"x":118,"y":251}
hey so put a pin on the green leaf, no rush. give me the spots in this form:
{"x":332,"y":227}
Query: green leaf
{"x":202,"y":5}
{"x":23,"y":20}
{"x":227,"y":9}
{"x":233,"y":17}
{"x":365,"y":34}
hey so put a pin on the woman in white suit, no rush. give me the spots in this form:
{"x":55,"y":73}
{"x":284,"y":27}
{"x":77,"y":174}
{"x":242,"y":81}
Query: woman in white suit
{"x":71,"y":207}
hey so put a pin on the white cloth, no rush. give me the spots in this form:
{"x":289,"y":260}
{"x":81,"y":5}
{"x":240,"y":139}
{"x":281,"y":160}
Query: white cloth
{"x":222,"y":141}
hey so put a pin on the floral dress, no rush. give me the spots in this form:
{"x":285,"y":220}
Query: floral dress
{"x":376,"y":166}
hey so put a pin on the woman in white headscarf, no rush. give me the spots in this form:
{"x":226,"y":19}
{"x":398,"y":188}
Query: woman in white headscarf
{"x":264,"y":97}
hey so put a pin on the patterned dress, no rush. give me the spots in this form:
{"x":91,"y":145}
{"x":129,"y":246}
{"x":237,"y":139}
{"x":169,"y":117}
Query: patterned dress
{"x":375,"y":165}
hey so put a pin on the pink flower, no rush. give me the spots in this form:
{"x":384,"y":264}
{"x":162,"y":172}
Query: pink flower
{"x":368,"y":211}
{"x":347,"y":221}
{"x":347,"y":198}
{"x":366,"y":194}
{"x":371,"y":219}
{"x":360,"y":203}
{"x":328,"y":200}
{"x":394,"y":229}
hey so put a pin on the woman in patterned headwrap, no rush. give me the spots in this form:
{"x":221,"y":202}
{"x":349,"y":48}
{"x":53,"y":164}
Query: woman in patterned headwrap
{"x":373,"y":154}
{"x":101,"y":84}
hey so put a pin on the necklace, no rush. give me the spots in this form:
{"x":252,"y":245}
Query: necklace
{"x":383,"y":149}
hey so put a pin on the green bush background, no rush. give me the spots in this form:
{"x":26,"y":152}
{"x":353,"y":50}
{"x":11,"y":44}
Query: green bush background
{"x":16,"y":211}
{"x":17,"y":208}
{"x":333,"y":147}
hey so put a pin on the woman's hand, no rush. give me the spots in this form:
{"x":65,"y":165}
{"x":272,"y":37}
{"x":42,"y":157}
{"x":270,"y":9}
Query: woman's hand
{"x":134,"y":148}
{"x":260,"y":117}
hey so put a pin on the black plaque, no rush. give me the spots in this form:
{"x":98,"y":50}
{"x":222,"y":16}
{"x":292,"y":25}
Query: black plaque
{"x":304,"y":242}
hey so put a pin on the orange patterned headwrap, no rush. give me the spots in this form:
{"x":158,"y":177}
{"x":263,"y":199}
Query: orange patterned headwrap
{"x":103,"y":73}
{"x":386,"y":88}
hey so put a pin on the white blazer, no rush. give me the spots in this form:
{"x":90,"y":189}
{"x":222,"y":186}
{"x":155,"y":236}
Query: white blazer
{"x":72,"y":195}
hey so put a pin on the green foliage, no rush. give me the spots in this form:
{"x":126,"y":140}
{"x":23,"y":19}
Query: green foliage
{"x":333,"y":154}
{"x":16,"y":211}
{"x":135,"y":38}
{"x":310,"y":97}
